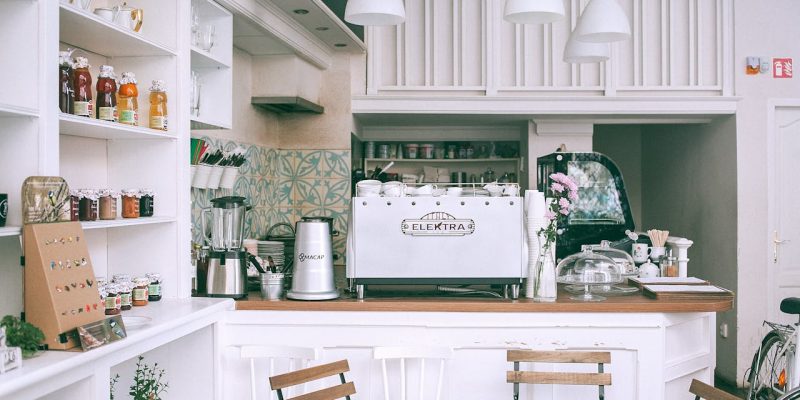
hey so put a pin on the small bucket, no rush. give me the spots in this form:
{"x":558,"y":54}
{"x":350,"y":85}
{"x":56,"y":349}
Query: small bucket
{"x":272,"y":286}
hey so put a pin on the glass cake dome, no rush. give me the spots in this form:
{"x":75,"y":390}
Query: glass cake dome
{"x":588,"y":269}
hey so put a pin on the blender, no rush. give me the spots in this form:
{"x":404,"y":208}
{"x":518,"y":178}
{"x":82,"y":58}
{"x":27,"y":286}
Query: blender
{"x":227,"y":259}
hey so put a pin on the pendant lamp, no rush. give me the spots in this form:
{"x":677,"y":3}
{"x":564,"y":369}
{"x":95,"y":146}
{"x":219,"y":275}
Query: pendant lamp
{"x":534,"y":11}
{"x":603,"y":21}
{"x":375,"y":12}
{"x":577,"y":52}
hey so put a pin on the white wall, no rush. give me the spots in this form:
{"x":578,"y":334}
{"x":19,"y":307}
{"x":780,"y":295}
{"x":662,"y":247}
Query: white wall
{"x":763,"y":28}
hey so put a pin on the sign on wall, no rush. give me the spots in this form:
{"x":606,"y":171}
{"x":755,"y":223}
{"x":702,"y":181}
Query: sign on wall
{"x":781,"y":67}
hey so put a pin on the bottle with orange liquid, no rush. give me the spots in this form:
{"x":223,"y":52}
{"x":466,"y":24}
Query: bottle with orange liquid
{"x":158,"y":106}
{"x":127,"y":99}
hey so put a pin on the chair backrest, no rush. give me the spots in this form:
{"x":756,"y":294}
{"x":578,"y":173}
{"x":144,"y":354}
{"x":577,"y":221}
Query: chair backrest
{"x":442,"y":354}
{"x":600,"y":378}
{"x":299,"y":377}
{"x":295,"y":357}
{"x":704,"y":391}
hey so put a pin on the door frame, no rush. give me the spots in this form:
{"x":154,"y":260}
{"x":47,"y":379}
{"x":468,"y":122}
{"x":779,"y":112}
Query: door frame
{"x":773,"y":105}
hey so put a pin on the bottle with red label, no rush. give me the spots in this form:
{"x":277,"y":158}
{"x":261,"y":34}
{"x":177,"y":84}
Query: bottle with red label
{"x":82,"y":86}
{"x":106,"y":94}
{"x":127,"y":99}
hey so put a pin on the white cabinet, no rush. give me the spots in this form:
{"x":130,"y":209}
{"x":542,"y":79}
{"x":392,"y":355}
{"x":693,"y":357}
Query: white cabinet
{"x":213,"y":67}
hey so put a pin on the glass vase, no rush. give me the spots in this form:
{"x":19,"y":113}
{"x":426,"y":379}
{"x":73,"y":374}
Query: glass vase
{"x":544,"y":273}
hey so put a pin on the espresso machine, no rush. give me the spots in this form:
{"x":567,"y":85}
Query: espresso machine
{"x":227,"y":259}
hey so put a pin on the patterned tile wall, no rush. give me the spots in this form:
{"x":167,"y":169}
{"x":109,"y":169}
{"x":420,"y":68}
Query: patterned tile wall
{"x":284,"y":185}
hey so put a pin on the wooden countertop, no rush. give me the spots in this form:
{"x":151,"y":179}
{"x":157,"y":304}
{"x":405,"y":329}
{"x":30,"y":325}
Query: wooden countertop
{"x":432,"y":302}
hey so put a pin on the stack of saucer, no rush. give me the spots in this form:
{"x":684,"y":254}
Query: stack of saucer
{"x":274,"y":249}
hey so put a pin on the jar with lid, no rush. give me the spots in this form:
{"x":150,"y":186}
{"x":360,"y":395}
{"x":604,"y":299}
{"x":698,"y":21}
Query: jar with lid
{"x":88,"y":205}
{"x":82,"y":88}
{"x":154,"y":289}
{"x":669,"y":265}
{"x":130,"y":203}
{"x":649,"y":270}
{"x":113,"y":300}
{"x":121,"y":278}
{"x":106,"y":94}
{"x":146,"y":202}
{"x":140,"y":293}
{"x":127,"y":98}
{"x":126,"y":298}
{"x":107,"y":204}
{"x":74,"y":204}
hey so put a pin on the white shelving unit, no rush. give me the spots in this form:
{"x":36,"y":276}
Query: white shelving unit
{"x":74,"y":125}
{"x":10,"y":231}
{"x":214,"y":67}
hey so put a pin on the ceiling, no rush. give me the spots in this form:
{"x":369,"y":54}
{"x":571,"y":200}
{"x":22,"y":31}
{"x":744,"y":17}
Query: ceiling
{"x":254,"y":40}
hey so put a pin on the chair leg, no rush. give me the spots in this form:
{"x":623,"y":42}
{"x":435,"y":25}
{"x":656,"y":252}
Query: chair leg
{"x":602,"y":388}
{"x":280,"y":395}
{"x":516,"y":385}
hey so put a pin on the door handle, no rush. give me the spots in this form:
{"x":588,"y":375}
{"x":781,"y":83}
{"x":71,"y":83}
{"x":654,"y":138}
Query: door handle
{"x":777,"y":241}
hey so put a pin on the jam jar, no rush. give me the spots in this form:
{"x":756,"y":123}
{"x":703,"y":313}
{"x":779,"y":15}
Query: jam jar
{"x":121,"y":278}
{"x":146,"y":202}
{"x":107,"y":204}
{"x":154,"y":289}
{"x":130,"y":203}
{"x":126,"y":298}
{"x":140,"y":293}
{"x":74,"y":204}
{"x":87,"y":208}
{"x":113,"y":301}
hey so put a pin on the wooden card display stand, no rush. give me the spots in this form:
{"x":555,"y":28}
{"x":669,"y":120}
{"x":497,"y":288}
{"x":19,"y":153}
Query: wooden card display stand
{"x":60,"y":287}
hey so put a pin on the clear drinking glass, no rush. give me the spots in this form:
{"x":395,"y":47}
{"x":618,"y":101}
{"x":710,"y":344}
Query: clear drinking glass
{"x":205,"y":37}
{"x":194,"y":103}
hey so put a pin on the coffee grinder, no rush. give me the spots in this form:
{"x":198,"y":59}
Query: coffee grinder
{"x":227,"y":259}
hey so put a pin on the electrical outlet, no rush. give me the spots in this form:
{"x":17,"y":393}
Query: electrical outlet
{"x":723,"y":330}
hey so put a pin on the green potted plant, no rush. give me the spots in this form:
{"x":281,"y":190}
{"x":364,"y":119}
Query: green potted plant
{"x":147,"y":382}
{"x":113,"y":383}
{"x":23,"y":335}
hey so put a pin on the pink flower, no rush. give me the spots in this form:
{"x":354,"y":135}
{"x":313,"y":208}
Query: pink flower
{"x":564,"y":211}
{"x":549,"y":215}
{"x":564,"y":203}
{"x":558,"y":177}
{"x":570,"y":184}
{"x":557,"y":188}
{"x":573,"y":195}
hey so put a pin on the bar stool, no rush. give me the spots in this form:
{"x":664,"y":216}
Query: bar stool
{"x":600,"y":378}
{"x":299,"y":377}
{"x":439,"y":354}
{"x":704,"y":391}
{"x":295,"y":357}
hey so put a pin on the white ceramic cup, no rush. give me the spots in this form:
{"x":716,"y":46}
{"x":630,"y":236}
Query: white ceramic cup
{"x":392,"y":189}
{"x":438,"y":192}
{"x":640,"y":252}
{"x":657,"y":252}
{"x":200,"y":180}
{"x":425,"y":190}
{"x":454,"y":191}
{"x":368,"y":188}
{"x":511,"y":190}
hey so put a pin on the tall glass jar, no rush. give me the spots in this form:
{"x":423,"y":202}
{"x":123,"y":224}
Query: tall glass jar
{"x":130,"y":203}
{"x":107,"y":204}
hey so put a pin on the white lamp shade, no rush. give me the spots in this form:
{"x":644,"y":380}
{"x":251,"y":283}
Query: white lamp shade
{"x":534,"y":11}
{"x":375,"y":12}
{"x":577,"y":52}
{"x":603,"y":21}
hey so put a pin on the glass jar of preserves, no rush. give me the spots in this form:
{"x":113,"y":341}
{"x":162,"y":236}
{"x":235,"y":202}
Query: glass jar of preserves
{"x":120,"y":278}
{"x":74,"y":204}
{"x":125,"y":295}
{"x":107,"y":204}
{"x":154,"y":289}
{"x":146,"y":202}
{"x":113,"y":300}
{"x":130,"y":203}
{"x":140,"y":291}
{"x":87,"y":210}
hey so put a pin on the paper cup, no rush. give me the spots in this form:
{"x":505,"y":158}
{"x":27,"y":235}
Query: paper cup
{"x":200,"y":179}
{"x":215,"y":177}
{"x":228,"y":177}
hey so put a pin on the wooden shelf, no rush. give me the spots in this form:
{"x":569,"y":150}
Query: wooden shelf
{"x":10,"y":231}
{"x":445,"y":160}
{"x":204,"y":59}
{"x":123,"y":222}
{"x":74,"y":125}
{"x":90,"y":32}
{"x":8,"y":110}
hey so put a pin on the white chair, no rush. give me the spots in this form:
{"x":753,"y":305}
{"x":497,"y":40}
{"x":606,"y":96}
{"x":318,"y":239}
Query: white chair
{"x":442,"y":354}
{"x":296,"y":357}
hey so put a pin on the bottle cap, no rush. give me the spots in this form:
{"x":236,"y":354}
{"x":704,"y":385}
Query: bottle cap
{"x":106,"y":71}
{"x":158,"y":86}
{"x":128,"y":77}
{"x":82,"y":62}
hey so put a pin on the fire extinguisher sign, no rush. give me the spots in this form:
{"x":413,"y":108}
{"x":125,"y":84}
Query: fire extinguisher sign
{"x":782,"y":68}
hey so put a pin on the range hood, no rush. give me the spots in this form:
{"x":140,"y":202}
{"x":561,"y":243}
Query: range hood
{"x":286,"y":104}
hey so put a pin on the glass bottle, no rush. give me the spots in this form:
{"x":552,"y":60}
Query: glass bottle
{"x":544,"y":275}
{"x":106,"y":94}
{"x":65,"y":91}
{"x":158,"y":106}
{"x":82,"y":86}
{"x":127,"y":99}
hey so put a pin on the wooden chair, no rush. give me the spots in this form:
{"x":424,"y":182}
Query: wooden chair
{"x":705,"y":391}
{"x":295,"y":357}
{"x":442,"y":354}
{"x":345,"y":389}
{"x":600,"y":378}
